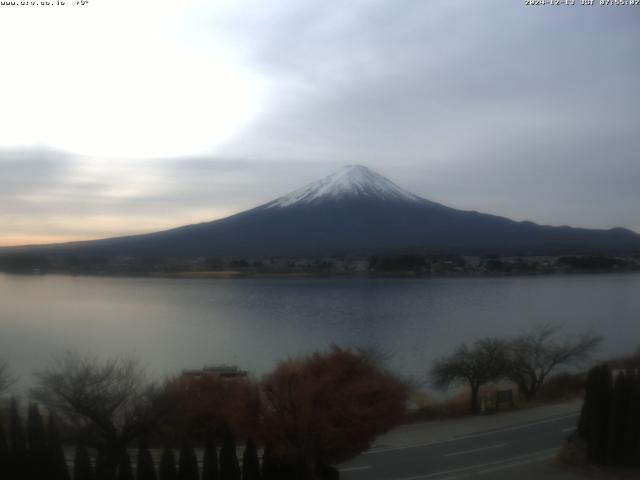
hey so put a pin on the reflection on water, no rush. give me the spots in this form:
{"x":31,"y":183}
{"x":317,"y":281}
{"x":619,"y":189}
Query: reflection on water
{"x":175,"y":324}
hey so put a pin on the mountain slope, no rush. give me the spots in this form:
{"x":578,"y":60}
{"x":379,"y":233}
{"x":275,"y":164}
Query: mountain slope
{"x":355,"y":210}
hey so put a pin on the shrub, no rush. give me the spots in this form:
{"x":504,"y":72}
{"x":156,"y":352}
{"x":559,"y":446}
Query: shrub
{"x":329,"y":407}
{"x":610,"y":417}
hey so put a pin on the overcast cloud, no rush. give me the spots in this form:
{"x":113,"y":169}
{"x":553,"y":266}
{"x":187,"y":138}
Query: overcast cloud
{"x":528,"y":112}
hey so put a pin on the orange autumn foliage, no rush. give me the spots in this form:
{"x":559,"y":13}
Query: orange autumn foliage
{"x":329,"y":407}
{"x":210,"y":402}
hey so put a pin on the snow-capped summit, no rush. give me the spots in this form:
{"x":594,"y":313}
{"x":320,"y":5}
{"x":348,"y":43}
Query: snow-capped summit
{"x":352,"y":211}
{"x":351,"y":181}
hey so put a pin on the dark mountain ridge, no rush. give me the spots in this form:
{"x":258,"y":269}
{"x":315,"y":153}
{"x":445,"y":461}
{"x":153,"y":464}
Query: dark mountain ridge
{"x":353,"y":211}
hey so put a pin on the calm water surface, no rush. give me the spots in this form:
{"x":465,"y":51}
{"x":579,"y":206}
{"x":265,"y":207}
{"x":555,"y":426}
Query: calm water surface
{"x":176,"y":324}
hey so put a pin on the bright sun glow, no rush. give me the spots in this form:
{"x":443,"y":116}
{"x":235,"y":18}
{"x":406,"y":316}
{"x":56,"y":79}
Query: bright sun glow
{"x":120,"y":82}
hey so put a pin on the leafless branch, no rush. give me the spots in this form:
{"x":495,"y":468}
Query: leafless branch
{"x":536,"y":353}
{"x":111,"y":395}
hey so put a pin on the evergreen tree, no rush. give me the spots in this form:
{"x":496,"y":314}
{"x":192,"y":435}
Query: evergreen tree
{"x":619,"y":420}
{"x":168,"y":465}
{"x":210,"y":470}
{"x":82,"y":469}
{"x":585,"y":422}
{"x":36,"y":433}
{"x":19,"y":464}
{"x":250,"y":462}
{"x":16,"y":432}
{"x":58,"y":469}
{"x":36,"y":462}
{"x":327,"y":472}
{"x":145,"y":469}
{"x":125,"y":472}
{"x":269,"y":464}
{"x":100,"y":466}
{"x":632,"y":450}
{"x":5,"y":465}
{"x":287,"y":471}
{"x":188,"y":462}
{"x":610,"y":417}
{"x":599,"y":415}
{"x":4,"y":446}
{"x":229,"y":467}
{"x":104,"y":470}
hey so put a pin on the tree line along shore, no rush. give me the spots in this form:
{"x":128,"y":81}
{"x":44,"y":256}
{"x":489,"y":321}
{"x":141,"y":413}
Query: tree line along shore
{"x":395,"y":265}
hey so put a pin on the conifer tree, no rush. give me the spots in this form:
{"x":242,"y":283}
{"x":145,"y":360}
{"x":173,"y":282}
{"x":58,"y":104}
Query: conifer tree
{"x":100,"y":466}
{"x":104,"y":470}
{"x":269,"y":464}
{"x":168,"y":465}
{"x":619,"y":420}
{"x":4,"y":446}
{"x":632,"y":450}
{"x":600,"y":415}
{"x":145,"y":469}
{"x":188,"y":462}
{"x":585,"y":422}
{"x":274,"y":468}
{"x":18,"y":465}
{"x":16,"y":432}
{"x":250,"y":462}
{"x":58,"y":469}
{"x":287,"y":471}
{"x":635,"y":451}
{"x":610,"y":417}
{"x":36,"y":434}
{"x":327,"y":472}
{"x":5,"y":465}
{"x":125,"y":472}
{"x":82,"y":468}
{"x":36,"y":461}
{"x":229,"y":467}
{"x":210,"y":470}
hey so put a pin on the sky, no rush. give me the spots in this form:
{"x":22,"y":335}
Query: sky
{"x":120,"y":117}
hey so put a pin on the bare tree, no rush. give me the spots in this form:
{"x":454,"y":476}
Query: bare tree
{"x":6,"y":378}
{"x":482,"y":362}
{"x":112,"y":397}
{"x":536,"y":353}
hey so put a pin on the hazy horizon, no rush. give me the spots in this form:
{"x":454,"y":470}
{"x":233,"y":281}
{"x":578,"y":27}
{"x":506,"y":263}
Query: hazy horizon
{"x":198,"y":110}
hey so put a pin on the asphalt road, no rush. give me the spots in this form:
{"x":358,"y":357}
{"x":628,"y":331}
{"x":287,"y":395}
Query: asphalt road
{"x":508,"y":452}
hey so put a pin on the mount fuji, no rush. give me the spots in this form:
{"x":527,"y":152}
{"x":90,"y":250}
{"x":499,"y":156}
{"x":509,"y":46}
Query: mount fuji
{"x":355,"y":210}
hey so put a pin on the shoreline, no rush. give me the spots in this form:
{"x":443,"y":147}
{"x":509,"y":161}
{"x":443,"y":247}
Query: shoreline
{"x":237,"y":274}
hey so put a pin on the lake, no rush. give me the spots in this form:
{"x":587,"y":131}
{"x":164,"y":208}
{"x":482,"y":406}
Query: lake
{"x":253,"y":323}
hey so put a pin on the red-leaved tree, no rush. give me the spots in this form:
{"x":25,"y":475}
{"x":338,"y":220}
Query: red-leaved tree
{"x":328,"y":407}
{"x":208,"y":402}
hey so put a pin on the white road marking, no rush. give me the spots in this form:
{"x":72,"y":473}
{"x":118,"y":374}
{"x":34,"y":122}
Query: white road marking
{"x":570,"y":429}
{"x":515,"y":464}
{"x":505,"y":462}
{"x":474,"y":435}
{"x":464,"y":452}
{"x":355,"y":469}
{"x":455,"y":477}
